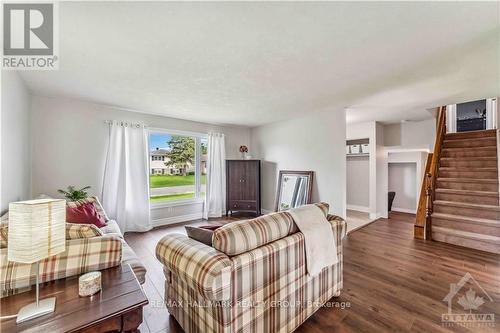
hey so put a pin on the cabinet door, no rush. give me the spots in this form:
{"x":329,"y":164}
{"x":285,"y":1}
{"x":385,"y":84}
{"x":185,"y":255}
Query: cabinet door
{"x":250,"y":180}
{"x":236,"y":173}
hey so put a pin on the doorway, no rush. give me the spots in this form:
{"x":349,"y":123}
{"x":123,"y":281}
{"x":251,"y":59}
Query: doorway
{"x":403,"y":181}
{"x":476,"y":115}
{"x":471,"y":116}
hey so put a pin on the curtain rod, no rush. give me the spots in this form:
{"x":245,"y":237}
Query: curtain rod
{"x":125,"y":123}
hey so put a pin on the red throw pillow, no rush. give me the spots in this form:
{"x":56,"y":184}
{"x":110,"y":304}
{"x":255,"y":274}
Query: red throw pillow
{"x":85,"y":214}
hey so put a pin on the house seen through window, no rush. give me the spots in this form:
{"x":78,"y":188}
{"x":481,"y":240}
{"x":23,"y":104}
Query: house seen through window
{"x":177,"y":167}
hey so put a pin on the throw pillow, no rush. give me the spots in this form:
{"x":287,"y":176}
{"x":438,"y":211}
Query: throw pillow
{"x":4,"y":234}
{"x":212,"y":227}
{"x":5,"y":217}
{"x":79,"y":231}
{"x":199,"y":234}
{"x":85,"y":214}
{"x":95,"y":200}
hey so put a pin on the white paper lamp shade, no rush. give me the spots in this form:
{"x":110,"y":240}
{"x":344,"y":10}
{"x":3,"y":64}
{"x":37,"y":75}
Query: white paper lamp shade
{"x":37,"y":229}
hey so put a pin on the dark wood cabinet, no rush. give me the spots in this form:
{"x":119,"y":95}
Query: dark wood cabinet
{"x":243,"y":186}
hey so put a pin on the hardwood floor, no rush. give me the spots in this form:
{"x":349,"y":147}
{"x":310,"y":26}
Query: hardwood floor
{"x":392,"y":282}
{"x":356,"y":220}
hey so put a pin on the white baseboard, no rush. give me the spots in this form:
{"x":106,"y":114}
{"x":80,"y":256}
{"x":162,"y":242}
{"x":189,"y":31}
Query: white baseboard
{"x":176,"y":219}
{"x":266,"y":211}
{"x":359,"y":208}
{"x":382,"y":216}
{"x":404,"y":210}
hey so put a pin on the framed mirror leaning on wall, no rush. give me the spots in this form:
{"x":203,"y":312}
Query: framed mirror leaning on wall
{"x":294,"y":189}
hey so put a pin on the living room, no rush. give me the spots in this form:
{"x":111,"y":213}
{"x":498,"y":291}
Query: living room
{"x":179,"y":148}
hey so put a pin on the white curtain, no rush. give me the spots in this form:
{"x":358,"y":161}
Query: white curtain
{"x":125,"y":191}
{"x":215,"y":197}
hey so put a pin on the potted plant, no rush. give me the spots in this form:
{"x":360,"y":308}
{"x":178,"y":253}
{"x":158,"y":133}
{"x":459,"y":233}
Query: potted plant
{"x":72,"y":194}
{"x":243,"y":151}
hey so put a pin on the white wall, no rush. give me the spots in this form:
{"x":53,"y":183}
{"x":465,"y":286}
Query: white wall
{"x":16,"y":138}
{"x":70,"y":139}
{"x":362,"y":131}
{"x":382,"y":172}
{"x":314,"y":142}
{"x":411,"y":134}
{"x":403,"y":181}
{"x":378,"y":165}
{"x":358,"y":183}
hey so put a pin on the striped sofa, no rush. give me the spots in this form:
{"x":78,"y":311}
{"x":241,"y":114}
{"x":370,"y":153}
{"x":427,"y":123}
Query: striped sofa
{"x":252,"y":279}
{"x":88,"y":248}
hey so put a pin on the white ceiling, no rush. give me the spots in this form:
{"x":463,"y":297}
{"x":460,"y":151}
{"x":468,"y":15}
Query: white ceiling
{"x":256,"y":63}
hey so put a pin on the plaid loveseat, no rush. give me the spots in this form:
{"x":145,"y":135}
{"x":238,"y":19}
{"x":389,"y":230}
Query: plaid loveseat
{"x":253,"y":278}
{"x":88,"y":248}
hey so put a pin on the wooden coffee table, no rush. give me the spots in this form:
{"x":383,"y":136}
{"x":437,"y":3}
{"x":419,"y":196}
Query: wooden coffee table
{"x":117,"y":307}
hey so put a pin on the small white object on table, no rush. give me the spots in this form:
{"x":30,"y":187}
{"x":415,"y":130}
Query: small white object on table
{"x":89,"y":284}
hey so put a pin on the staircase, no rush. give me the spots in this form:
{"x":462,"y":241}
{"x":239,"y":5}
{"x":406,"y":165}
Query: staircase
{"x":465,"y":206}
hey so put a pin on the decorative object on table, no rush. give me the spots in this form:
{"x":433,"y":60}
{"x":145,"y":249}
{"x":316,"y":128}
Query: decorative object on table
{"x":89,"y":284}
{"x":37,"y":230}
{"x":243,"y":151}
{"x":355,"y":149}
{"x":74,"y":195}
{"x":294,"y":189}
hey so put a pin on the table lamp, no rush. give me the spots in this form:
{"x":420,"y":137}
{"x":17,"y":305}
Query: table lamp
{"x":36,"y":231}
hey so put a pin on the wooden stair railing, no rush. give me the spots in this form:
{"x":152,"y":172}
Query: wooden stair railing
{"x":419,"y":228}
{"x":423,"y":223}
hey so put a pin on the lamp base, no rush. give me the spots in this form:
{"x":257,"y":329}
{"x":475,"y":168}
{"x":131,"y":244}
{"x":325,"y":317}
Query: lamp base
{"x":30,"y":311}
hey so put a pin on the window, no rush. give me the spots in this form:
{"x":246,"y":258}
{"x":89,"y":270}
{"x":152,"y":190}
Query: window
{"x":177,"y":166}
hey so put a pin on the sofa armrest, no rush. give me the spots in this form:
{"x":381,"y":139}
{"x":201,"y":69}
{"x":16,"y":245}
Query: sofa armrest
{"x":200,"y":266}
{"x":339,"y":226}
{"x":81,"y":256}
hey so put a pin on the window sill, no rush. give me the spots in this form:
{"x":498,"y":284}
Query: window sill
{"x":159,"y":205}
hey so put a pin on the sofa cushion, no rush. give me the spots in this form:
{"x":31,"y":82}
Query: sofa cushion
{"x":242,"y":236}
{"x":80,"y":256}
{"x":77,"y":231}
{"x":73,"y":231}
{"x":112,"y":228}
{"x":4,"y":232}
{"x":129,"y":257}
{"x":205,"y":270}
{"x":324,"y":207}
{"x":321,"y":205}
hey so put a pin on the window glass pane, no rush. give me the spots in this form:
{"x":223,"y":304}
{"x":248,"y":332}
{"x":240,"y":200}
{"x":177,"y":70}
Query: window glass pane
{"x":172,"y":167}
